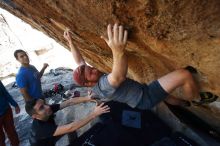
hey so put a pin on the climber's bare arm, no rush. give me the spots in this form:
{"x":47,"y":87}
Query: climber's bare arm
{"x":25,"y":94}
{"x":117,"y":40}
{"x":75,"y":100}
{"x":77,"y":56}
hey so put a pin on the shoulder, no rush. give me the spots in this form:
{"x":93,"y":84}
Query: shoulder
{"x":38,"y":125}
{"x":20,"y":70}
{"x":35,"y":125}
{"x":103,"y":78}
{"x":32,"y":67}
{"x":55,"y":107}
{"x":43,"y":129}
{"x":103,"y":88}
{"x":103,"y":81}
{"x":21,"y":73}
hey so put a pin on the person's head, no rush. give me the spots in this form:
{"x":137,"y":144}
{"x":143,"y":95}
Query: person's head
{"x":85,"y":75}
{"x":22,"y":57}
{"x":37,"y":109}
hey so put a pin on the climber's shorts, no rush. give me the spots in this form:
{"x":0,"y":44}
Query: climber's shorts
{"x":153,"y":94}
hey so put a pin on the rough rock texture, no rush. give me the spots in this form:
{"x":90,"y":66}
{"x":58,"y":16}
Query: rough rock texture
{"x":163,"y":35}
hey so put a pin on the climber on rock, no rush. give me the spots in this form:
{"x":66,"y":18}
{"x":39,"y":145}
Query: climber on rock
{"x":117,"y":87}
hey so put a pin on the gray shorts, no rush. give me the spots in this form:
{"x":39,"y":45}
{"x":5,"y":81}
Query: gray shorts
{"x":153,"y":94}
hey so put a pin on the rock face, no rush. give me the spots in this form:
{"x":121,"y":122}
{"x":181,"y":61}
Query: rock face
{"x":163,"y":35}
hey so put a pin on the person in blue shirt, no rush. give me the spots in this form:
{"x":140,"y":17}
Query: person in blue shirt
{"x":28,"y":77}
{"x":6,"y":117}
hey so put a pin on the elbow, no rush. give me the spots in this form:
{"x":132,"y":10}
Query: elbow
{"x":73,"y":128}
{"x":121,"y":79}
{"x":118,"y":81}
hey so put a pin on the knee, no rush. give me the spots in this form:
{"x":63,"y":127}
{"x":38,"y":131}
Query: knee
{"x":185,"y":74}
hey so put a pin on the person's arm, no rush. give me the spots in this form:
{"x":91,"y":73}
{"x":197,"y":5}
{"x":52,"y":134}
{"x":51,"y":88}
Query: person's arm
{"x":21,"y":80}
{"x":117,"y":40}
{"x":43,"y":69}
{"x":77,"y":56}
{"x":64,"y":129}
{"x":74,"y":100}
{"x":25,"y":94}
{"x":9,"y":98}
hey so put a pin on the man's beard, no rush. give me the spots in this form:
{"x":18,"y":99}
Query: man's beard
{"x":46,"y":118}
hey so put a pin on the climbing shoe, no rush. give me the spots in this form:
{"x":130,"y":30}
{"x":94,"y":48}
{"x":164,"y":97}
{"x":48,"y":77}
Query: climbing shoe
{"x":206,"y":98}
